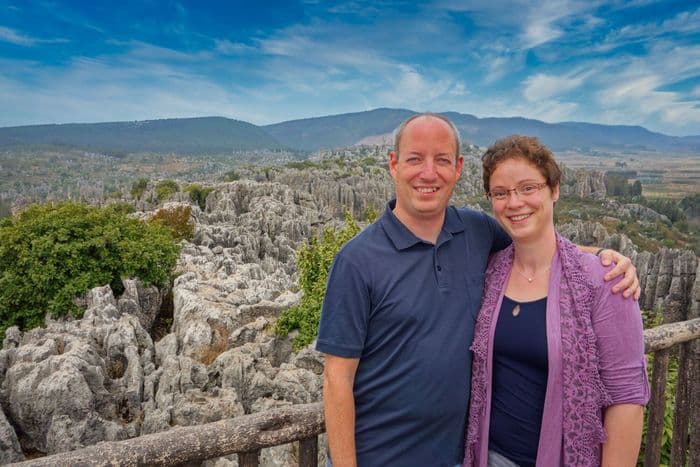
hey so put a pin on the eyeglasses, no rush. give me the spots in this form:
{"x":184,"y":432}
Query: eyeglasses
{"x":522,"y":190}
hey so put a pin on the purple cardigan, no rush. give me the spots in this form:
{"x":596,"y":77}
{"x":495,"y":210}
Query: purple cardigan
{"x":614,"y":344}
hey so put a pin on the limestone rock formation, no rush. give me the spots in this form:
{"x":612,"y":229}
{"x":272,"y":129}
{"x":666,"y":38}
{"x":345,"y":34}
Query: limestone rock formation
{"x":102,"y":377}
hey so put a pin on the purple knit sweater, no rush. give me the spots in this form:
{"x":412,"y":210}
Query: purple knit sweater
{"x":595,"y":354}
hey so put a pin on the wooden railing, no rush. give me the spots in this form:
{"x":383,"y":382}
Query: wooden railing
{"x":248,"y":434}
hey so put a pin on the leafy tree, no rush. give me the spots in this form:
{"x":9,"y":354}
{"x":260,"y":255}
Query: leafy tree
{"x":231,"y":176}
{"x":178,"y":220}
{"x":314,"y":260}
{"x":52,"y":253}
{"x":165,"y":189}
{"x":139,"y":187}
{"x":198,"y":194}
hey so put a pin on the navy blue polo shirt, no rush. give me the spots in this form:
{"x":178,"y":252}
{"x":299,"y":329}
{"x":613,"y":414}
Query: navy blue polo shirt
{"x":406,"y":308}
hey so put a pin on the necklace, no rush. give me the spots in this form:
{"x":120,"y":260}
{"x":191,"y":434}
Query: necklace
{"x":529,"y":278}
{"x":516,"y":310}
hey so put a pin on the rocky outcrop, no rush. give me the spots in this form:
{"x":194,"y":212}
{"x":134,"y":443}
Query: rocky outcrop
{"x":668,"y":278}
{"x":75,"y":383}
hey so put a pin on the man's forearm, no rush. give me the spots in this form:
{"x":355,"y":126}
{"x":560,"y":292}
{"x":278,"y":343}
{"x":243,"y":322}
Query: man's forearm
{"x":339,"y":410}
{"x":623,"y":424}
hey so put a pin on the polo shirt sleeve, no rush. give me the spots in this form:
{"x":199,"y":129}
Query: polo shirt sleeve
{"x":617,"y":323}
{"x":500,"y":238}
{"x":345,"y":313}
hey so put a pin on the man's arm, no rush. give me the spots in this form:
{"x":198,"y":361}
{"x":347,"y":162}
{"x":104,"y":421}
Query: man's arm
{"x":623,"y":425}
{"x":623,"y":265}
{"x":339,"y":409}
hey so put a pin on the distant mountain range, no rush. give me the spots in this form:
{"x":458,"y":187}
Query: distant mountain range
{"x":218,"y":135}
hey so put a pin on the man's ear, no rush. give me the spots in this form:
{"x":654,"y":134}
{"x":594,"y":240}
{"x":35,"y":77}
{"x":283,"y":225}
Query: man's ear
{"x":459,"y":164}
{"x":393,"y":160}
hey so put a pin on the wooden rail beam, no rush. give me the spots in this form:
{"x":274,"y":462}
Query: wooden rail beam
{"x":668,"y":335}
{"x":182,"y":445}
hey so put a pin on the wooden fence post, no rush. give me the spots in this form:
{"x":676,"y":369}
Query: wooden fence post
{"x":694,"y":377}
{"x":249,"y":459}
{"x":308,"y":452}
{"x":656,"y":408}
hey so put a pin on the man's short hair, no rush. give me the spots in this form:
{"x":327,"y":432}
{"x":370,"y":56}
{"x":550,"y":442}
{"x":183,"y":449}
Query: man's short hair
{"x":398,"y":132}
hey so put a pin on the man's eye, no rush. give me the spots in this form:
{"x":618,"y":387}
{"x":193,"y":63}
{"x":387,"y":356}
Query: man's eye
{"x":444,"y":161}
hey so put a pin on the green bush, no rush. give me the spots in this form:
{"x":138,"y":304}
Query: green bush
{"x":198,"y":194}
{"x":231,"y":176}
{"x":178,"y":220}
{"x":165,"y":189}
{"x":50,"y":254}
{"x":139,"y":187}
{"x":314,"y":260}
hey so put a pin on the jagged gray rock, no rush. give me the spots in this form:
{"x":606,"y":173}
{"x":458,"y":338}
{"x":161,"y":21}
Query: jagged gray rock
{"x":10,"y":450}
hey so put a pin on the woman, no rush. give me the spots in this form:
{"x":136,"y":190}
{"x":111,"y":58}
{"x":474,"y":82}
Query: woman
{"x":559,"y":374}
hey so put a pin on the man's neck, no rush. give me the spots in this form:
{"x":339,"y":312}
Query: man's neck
{"x":427,"y":229}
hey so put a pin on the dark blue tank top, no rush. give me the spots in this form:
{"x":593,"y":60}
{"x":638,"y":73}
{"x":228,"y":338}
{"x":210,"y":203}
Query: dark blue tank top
{"x":519,"y":380}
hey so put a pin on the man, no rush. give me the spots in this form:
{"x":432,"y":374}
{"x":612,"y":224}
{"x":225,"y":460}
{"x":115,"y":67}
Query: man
{"x":399,"y":313}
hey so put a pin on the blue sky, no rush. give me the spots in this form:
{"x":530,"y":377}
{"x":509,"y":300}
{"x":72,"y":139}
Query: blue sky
{"x":618,"y":62}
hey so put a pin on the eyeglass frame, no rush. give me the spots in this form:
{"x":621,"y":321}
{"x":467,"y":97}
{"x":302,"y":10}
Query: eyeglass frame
{"x":516,"y":190}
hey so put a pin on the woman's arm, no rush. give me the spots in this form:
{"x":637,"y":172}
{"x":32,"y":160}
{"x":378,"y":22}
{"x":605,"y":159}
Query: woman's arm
{"x":623,"y":425}
{"x":617,"y":324}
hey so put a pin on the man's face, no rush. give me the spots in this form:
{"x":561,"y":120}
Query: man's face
{"x":425,"y":171}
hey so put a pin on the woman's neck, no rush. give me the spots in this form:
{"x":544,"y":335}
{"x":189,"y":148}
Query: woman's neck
{"x":535,"y":255}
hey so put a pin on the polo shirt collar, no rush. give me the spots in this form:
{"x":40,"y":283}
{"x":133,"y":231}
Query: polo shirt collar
{"x":402,"y":238}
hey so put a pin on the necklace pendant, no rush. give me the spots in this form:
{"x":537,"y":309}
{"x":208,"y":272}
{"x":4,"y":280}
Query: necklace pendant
{"x":529,"y":279}
{"x":516,"y":310}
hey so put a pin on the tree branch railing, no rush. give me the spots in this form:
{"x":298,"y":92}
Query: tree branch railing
{"x":248,"y":434}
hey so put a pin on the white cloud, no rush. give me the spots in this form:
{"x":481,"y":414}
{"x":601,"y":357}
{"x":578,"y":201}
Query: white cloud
{"x":227,"y":47}
{"x":17,"y":38}
{"x":541,"y":86}
{"x":13,"y":37}
{"x":684,"y":23}
{"x":410,"y":88}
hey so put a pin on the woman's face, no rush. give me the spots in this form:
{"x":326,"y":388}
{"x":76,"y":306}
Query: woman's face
{"x":525,"y":216}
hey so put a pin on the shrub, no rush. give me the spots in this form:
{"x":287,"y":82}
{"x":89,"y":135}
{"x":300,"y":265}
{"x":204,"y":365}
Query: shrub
{"x":314,"y":260}
{"x":198,"y":194}
{"x":177,"y":219}
{"x":52,"y":253}
{"x":231,"y":176}
{"x":165,"y":189}
{"x":139,"y":187}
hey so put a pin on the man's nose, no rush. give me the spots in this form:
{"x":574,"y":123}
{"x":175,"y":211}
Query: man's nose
{"x":428,"y":171}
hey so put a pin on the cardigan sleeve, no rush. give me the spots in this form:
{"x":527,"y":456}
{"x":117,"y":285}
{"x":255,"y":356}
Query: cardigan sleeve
{"x":617,"y":323}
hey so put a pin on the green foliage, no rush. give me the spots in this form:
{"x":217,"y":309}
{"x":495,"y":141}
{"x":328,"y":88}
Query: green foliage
{"x":198,"y":194}
{"x":121,"y":208}
{"x":370,"y":214}
{"x":139,"y":187}
{"x":314,"y":260}
{"x":231,"y":176}
{"x":617,"y":184}
{"x":176,"y":219}
{"x":691,"y":205}
{"x":667,"y":207}
{"x":52,"y":253}
{"x":165,"y":189}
